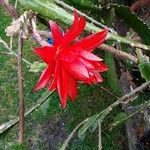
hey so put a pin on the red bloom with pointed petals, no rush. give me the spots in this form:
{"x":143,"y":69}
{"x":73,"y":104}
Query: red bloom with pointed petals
{"x":69,"y":60}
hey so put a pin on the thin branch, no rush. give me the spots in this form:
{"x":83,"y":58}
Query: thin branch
{"x":99,"y":136}
{"x":118,"y":53}
{"x":21,"y":90}
{"x":36,"y":35}
{"x":127,"y":96}
{"x":16,"y":4}
{"x":109,"y":92}
{"x":83,"y":14}
{"x":65,"y":144}
{"x":140,"y":108}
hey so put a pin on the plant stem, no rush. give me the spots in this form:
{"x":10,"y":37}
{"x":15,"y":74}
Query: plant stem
{"x":65,"y":144}
{"x":36,"y":35}
{"x":21,"y":90}
{"x":99,"y":136}
{"x":118,"y":53}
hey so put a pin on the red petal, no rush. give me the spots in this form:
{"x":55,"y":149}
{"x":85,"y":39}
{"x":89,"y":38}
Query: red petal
{"x":78,"y":70}
{"x":98,"y":77}
{"x":76,"y":29}
{"x":62,"y":87}
{"x":56,"y":32}
{"x":86,"y":63}
{"x":94,"y":78}
{"x":72,"y":87}
{"x":89,"y":56}
{"x":44,"y":79}
{"x":46,"y":53}
{"x":69,"y":54}
{"x":56,"y":75}
{"x":92,"y":41}
{"x":100,"y":66}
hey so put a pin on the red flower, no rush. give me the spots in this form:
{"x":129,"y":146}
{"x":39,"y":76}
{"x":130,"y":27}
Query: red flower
{"x":69,"y":60}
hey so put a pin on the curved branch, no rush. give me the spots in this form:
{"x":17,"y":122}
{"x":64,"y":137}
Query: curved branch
{"x":65,"y":144}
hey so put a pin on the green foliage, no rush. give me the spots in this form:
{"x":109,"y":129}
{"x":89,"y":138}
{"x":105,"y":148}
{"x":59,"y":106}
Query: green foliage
{"x":45,"y":106}
{"x":87,"y":124}
{"x":37,"y":67}
{"x":144,"y":65}
{"x":111,"y":73}
{"x":118,"y":118}
{"x":109,"y":58}
{"x":47,"y":9}
{"x":18,"y":147}
{"x":137,"y":24}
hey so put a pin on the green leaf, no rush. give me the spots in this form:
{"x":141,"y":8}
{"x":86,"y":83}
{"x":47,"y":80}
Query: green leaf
{"x":109,"y":58}
{"x":144,"y":65}
{"x":37,"y":67}
{"x":111,"y":73}
{"x":47,"y":9}
{"x":87,"y":125}
{"x":137,"y":24}
{"x":45,"y":106}
{"x":118,"y":118}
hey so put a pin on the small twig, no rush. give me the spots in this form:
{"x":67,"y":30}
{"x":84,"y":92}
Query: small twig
{"x":36,"y":35}
{"x":118,"y":53}
{"x":21,"y":90}
{"x":109,"y":92}
{"x":16,"y":4}
{"x":99,"y":136}
{"x":65,"y":144}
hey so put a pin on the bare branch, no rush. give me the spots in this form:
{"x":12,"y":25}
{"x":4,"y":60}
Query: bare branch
{"x":36,"y":35}
{"x":21,"y":91}
{"x":118,"y":53}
